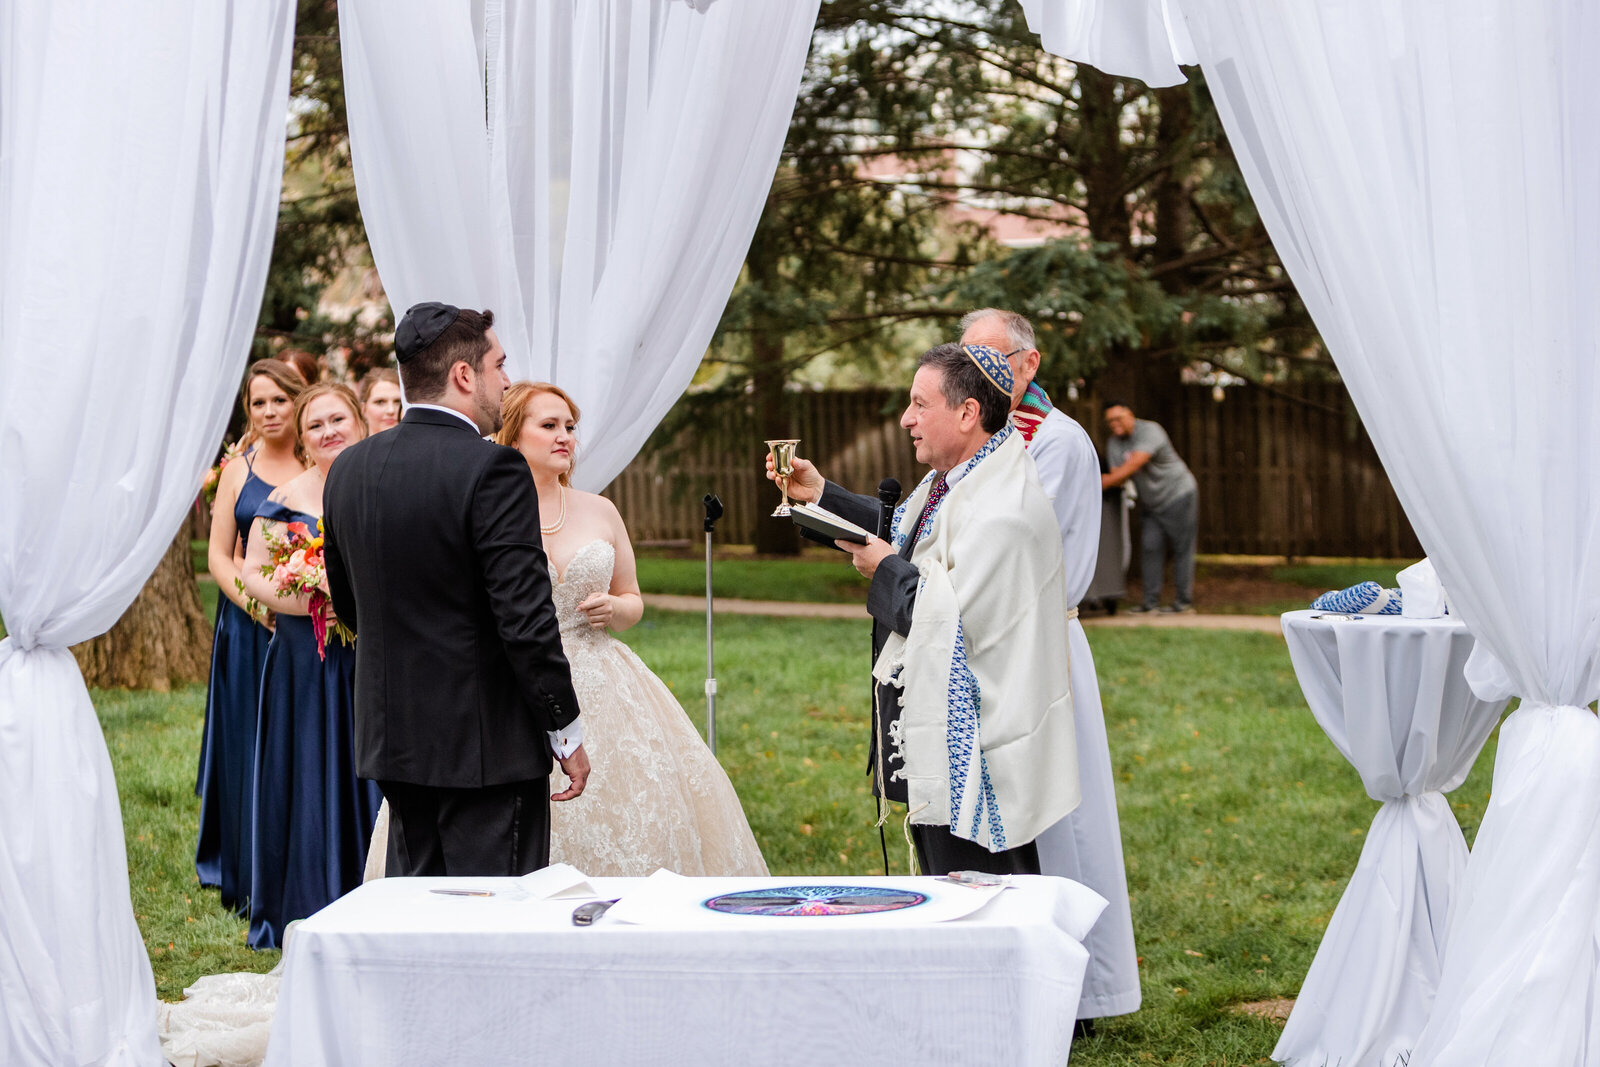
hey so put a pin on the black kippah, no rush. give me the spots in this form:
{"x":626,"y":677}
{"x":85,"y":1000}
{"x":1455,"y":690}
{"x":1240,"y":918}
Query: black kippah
{"x":421,"y":326}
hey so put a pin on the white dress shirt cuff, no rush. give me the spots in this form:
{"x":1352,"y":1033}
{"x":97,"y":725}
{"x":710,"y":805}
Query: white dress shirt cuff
{"x":565,"y":741}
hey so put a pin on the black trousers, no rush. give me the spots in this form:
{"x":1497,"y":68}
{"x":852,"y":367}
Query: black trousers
{"x":939,"y":852}
{"x":485,"y":832}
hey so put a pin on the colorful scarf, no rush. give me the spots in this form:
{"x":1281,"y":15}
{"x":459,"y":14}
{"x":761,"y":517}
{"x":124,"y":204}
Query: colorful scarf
{"x":1031,"y":412}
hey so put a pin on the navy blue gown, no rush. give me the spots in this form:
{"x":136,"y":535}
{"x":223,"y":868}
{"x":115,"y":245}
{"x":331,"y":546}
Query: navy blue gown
{"x":227,"y":749}
{"x":313,"y":816}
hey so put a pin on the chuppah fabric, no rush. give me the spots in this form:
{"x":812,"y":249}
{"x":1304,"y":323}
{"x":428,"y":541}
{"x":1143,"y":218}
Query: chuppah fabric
{"x":592,"y":171}
{"x":1371,"y":142}
{"x":141,"y":158}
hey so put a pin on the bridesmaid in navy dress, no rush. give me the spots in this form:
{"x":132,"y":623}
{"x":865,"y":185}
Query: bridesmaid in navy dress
{"x":239,"y":647}
{"x":313,"y":816}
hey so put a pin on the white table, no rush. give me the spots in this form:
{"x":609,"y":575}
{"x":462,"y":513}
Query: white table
{"x":1390,"y":694}
{"x":392,"y":975}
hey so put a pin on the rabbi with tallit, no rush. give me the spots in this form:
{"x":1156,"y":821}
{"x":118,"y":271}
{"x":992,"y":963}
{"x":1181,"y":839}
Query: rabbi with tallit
{"x":972,"y":701}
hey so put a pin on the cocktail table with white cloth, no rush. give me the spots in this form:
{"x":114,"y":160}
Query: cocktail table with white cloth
{"x":396,"y":973}
{"x":1390,"y":693}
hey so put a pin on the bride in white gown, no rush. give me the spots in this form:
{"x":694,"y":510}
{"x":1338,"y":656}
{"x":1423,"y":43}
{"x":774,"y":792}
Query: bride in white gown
{"x":657,"y":797}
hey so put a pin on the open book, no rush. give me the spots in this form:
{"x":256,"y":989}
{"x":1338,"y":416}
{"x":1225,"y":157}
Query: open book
{"x":822,"y":521}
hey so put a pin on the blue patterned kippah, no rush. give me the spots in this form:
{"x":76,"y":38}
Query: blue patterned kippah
{"x":993,"y":363}
{"x":1366,"y":598}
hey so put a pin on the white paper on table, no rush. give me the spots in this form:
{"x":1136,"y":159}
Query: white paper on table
{"x":671,"y":900}
{"x":559,"y":881}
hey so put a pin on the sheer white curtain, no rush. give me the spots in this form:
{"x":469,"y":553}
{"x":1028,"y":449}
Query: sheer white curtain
{"x":1428,"y":172}
{"x":1144,"y":39}
{"x":590,"y":169}
{"x":141,"y":151}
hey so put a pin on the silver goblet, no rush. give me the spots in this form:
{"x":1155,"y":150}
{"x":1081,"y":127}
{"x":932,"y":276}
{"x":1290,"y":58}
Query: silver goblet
{"x":783,"y":466}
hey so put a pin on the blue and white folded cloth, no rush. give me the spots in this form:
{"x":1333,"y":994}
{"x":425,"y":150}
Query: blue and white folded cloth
{"x":1366,"y":598}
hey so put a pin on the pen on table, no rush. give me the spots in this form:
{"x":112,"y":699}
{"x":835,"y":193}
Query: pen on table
{"x":463,"y":892}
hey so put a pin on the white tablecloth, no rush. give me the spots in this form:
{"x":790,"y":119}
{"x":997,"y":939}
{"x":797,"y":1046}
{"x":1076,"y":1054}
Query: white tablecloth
{"x":393,"y":975}
{"x":1390,"y":694}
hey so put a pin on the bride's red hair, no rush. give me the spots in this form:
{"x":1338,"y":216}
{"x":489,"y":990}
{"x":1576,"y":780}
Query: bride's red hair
{"x":514,"y":412}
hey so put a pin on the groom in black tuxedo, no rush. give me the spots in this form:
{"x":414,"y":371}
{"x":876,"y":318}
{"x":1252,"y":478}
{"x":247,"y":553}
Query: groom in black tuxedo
{"x":435,"y":560}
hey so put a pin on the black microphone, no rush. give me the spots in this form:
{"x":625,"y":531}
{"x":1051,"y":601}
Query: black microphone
{"x":888,"y":497}
{"x":713,"y":506}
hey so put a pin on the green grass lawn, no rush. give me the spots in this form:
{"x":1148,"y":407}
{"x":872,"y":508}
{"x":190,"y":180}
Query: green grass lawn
{"x":823,"y":576}
{"x":1341,"y":575}
{"x":1240,"y":821}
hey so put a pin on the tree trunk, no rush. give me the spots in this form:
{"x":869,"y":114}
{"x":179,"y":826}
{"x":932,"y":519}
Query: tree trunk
{"x":1175,"y":134}
{"x":1102,"y":158}
{"x":162,"y":640}
{"x":768,"y":374}
{"x":776,"y":537}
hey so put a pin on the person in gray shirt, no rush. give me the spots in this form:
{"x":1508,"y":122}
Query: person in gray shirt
{"x":1168,"y":497}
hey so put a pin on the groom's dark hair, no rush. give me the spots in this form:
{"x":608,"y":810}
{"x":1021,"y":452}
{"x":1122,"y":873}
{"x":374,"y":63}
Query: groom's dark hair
{"x":466,"y":340}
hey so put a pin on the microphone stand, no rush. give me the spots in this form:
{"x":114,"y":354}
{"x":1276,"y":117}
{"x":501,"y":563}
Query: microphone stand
{"x":713,"y":508}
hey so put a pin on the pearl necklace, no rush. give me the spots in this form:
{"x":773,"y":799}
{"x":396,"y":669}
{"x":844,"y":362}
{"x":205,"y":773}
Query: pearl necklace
{"x":561,"y":519}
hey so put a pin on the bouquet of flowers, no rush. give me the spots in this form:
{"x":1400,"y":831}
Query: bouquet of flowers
{"x":208,"y":485}
{"x":297,"y":569}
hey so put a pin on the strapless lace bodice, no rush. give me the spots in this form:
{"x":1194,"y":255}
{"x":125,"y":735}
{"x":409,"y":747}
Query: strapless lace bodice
{"x":588,"y":573}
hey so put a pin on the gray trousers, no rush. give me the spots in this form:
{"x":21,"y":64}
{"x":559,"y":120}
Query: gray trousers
{"x":1174,"y":526}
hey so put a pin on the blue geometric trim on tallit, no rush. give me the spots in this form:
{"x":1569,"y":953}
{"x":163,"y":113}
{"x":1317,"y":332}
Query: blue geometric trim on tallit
{"x":961,"y":728}
{"x":1365,"y":598}
{"x":901,"y":529}
{"x":898,"y":528}
{"x":988,"y":806}
{"x":963,"y":734}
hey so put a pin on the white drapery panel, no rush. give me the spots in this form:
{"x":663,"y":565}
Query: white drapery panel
{"x":1144,"y":39}
{"x":592,"y":170}
{"x":1393,"y":698}
{"x":141,"y":153}
{"x":1427,"y":173}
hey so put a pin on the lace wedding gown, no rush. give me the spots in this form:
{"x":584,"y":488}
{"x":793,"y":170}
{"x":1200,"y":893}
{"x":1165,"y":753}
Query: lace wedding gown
{"x":656,"y":796}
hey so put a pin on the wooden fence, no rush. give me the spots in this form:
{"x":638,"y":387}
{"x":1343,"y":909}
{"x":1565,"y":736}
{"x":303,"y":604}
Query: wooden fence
{"x":1285,"y":471}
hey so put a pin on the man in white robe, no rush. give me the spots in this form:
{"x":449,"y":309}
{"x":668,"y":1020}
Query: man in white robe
{"x":1086,"y":846}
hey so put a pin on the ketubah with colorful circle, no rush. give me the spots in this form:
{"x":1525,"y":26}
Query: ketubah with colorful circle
{"x":816,"y":900}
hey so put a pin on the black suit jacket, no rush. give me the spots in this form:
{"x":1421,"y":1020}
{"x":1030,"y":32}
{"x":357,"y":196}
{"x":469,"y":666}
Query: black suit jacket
{"x":435,"y":560}
{"x":890,"y":600}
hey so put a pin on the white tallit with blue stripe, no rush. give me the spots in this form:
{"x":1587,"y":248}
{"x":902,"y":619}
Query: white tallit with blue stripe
{"x":985,"y":726}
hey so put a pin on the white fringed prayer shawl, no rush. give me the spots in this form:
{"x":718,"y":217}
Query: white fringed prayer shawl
{"x":985,"y":724}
